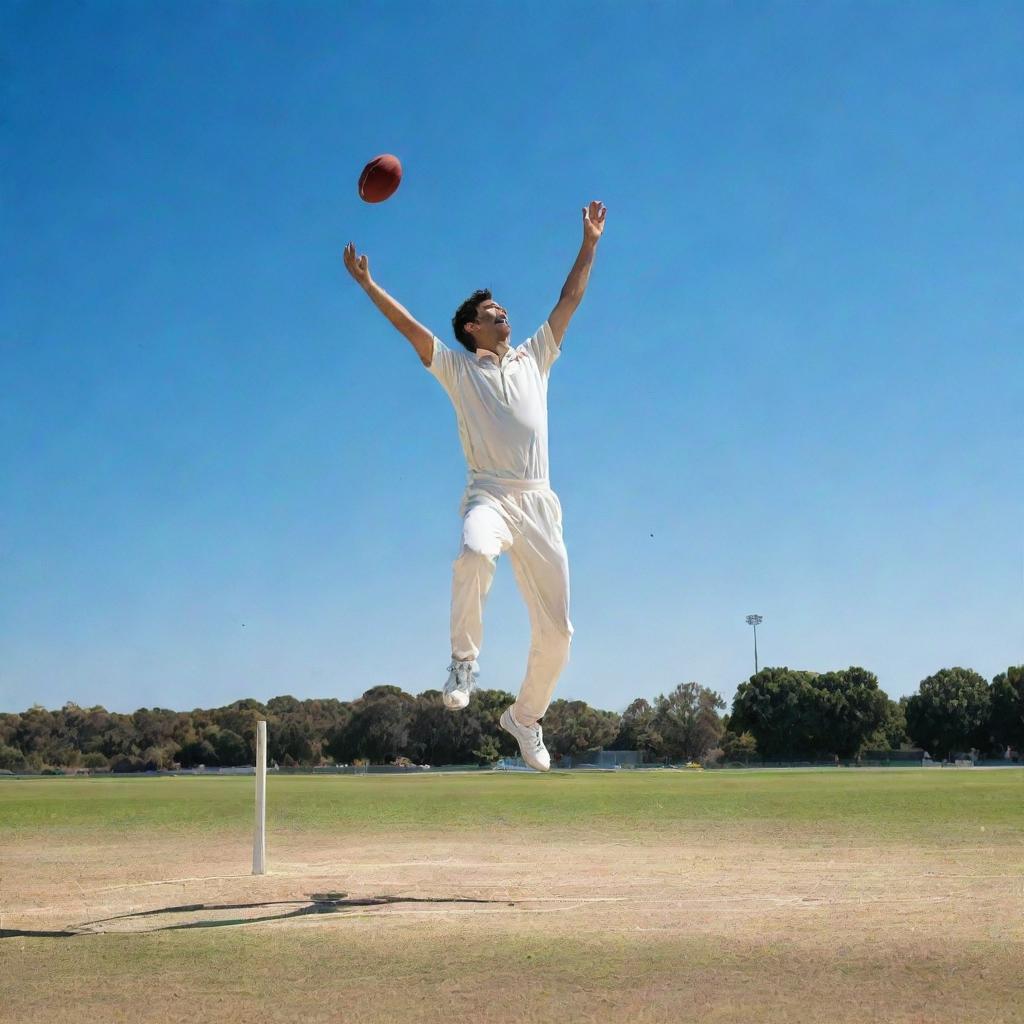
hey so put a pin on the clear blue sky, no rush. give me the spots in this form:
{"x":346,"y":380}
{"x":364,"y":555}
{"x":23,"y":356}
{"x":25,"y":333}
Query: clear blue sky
{"x":794,"y":387}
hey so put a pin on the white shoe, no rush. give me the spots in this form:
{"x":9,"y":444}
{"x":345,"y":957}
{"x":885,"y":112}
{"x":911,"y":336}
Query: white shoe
{"x":461,"y":683}
{"x":531,"y":741}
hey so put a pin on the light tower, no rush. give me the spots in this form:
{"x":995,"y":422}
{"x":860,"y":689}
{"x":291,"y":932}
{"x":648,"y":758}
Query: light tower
{"x":755,"y":621}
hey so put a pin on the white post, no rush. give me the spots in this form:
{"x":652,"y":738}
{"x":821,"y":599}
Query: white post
{"x":259,"y":841}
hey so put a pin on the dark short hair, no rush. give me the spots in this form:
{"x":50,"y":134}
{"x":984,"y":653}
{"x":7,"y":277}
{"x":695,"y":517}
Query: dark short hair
{"x":465,"y":314}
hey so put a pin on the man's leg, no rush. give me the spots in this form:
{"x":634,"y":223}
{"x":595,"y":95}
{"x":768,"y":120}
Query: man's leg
{"x":541,"y":567}
{"x":485,"y":535}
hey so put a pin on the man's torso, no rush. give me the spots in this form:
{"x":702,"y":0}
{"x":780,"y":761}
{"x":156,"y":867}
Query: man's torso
{"x":501,"y":406}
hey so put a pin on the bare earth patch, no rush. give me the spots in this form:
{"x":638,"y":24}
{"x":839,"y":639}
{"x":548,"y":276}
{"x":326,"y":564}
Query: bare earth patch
{"x":525,"y":925}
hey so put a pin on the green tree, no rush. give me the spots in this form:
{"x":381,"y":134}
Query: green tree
{"x":198,"y":752}
{"x":379,"y":727}
{"x":950,"y":712}
{"x":851,"y":707}
{"x":232,"y":750}
{"x":322,"y":716}
{"x":65,"y":756}
{"x":1006,"y":719}
{"x":573,"y":727}
{"x":156,"y":727}
{"x":779,"y":708}
{"x":284,"y":705}
{"x":8,"y":727}
{"x":94,"y":760}
{"x":161,"y":758}
{"x":740,"y":747}
{"x":241,"y":717}
{"x":892,"y":733}
{"x":12,"y":759}
{"x":636,"y":728}
{"x":437,"y":736}
{"x":119,"y":738}
{"x":287,"y":739}
{"x":84,"y":728}
{"x":687,"y":721}
{"x":488,"y":753}
{"x":795,"y":714}
{"x":35,"y":732}
{"x":488,"y":706}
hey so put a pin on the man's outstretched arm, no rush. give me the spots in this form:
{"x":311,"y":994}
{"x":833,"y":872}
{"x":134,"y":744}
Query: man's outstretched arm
{"x":576,"y":283}
{"x":419,"y":337}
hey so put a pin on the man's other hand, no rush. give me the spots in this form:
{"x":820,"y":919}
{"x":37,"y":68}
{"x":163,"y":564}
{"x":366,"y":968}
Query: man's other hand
{"x":358,"y":266}
{"x":593,"y":221}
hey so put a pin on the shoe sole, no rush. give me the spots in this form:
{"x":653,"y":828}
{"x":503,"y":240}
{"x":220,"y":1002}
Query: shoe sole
{"x":512,"y":733}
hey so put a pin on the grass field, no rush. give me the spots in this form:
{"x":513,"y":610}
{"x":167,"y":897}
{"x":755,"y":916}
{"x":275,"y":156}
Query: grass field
{"x":791,"y":896}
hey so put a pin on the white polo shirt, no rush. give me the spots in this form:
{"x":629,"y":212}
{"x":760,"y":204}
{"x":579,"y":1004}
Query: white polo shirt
{"x":501,"y":406}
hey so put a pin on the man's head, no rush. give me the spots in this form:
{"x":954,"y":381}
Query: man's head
{"x":480,"y":322}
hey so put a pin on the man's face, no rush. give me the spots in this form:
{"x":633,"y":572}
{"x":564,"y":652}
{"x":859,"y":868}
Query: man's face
{"x":491,"y":326}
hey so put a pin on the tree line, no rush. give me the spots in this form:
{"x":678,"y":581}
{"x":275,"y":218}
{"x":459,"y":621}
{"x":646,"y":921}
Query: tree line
{"x":778,"y":714}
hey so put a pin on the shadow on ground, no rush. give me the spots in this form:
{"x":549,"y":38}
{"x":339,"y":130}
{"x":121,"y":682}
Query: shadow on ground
{"x":314,"y":903}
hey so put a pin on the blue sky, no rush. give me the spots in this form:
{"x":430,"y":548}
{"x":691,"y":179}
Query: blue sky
{"x":794,"y":387}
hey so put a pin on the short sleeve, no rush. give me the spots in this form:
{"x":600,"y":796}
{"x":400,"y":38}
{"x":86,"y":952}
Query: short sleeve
{"x":543,"y":347}
{"x":444,"y":365}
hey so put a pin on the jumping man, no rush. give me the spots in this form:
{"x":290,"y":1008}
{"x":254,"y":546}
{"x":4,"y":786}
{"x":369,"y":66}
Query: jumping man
{"x":500,"y":395}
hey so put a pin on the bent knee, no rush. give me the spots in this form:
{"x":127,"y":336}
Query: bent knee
{"x":478,"y":553}
{"x":558,"y":634}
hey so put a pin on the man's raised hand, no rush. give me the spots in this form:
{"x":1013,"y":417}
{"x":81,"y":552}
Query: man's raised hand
{"x":400,"y":318}
{"x":357,"y":266}
{"x":593,"y":221}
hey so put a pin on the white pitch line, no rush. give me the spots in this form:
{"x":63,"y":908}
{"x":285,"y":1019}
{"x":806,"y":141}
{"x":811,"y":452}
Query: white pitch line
{"x":169,"y":881}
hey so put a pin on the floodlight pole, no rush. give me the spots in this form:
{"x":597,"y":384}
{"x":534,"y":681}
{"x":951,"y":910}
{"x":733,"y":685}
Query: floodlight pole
{"x":755,"y":621}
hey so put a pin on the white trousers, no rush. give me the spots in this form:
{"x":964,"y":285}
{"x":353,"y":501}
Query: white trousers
{"x":523,"y":518}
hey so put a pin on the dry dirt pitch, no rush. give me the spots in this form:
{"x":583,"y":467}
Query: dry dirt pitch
{"x":727,"y":897}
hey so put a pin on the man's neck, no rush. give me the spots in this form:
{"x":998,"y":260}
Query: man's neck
{"x":498,"y":353}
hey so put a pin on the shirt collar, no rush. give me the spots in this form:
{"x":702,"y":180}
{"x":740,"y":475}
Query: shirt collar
{"x":483,"y":355}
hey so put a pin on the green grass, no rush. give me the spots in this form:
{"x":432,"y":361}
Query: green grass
{"x":916,"y":805}
{"x":950,"y":949}
{"x":359,"y":974}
